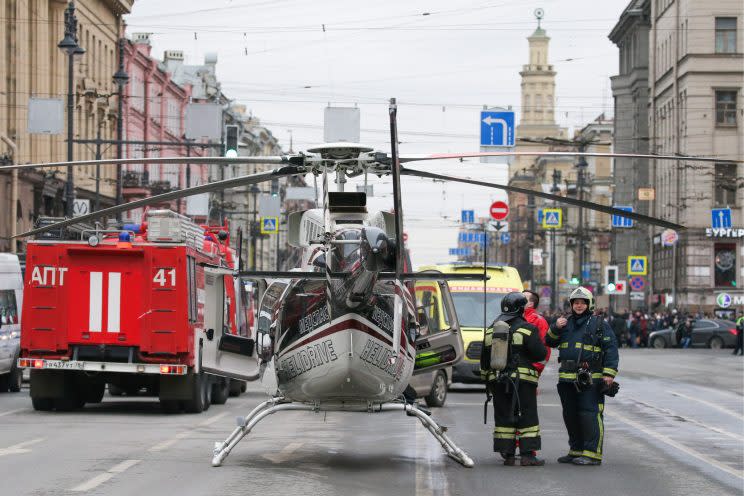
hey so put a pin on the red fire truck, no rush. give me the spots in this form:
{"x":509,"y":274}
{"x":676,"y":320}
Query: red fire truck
{"x":126,"y":308}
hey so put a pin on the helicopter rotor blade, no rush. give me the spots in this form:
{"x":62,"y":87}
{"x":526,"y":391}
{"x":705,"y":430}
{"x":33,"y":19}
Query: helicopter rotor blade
{"x":269,"y":160}
{"x":560,"y":199}
{"x":397,"y":199}
{"x":173,"y":195}
{"x":442,"y":156}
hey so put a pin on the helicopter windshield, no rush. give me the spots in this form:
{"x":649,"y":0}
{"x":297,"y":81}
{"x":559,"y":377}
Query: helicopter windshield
{"x":345,"y":256}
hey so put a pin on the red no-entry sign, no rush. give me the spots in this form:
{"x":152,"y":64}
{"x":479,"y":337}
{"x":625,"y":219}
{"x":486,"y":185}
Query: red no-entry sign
{"x":499,"y":210}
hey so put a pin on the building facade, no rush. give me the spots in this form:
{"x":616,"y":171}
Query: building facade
{"x":154,"y":117}
{"x":34,"y":67}
{"x":696,"y":96}
{"x":630,"y":92}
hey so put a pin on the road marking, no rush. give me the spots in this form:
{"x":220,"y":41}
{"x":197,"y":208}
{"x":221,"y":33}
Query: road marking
{"x":680,"y":447}
{"x":182,"y":435}
{"x":712,"y":405}
{"x":19,"y":448}
{"x":284,"y":454}
{"x":672,"y":414}
{"x":101,"y":478}
{"x":170,"y":442}
{"x":213,"y":419}
{"x":11,"y":412}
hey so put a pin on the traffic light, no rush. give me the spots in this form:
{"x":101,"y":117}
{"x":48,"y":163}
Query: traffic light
{"x":231,"y":141}
{"x":275,"y":187}
{"x":612,"y":283}
{"x":574,"y":280}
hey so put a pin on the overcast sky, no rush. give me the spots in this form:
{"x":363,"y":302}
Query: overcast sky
{"x":287,"y":59}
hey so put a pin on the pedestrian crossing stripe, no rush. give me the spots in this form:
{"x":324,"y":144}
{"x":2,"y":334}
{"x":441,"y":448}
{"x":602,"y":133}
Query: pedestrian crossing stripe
{"x":637,"y":265}
{"x":269,"y":225}
{"x":552,"y":218}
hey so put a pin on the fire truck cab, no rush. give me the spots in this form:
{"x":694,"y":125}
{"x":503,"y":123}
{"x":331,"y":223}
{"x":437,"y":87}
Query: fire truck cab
{"x":126,"y":307}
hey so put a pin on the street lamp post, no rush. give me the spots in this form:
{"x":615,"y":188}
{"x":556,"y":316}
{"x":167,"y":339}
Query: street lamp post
{"x":553,"y":272}
{"x":581,"y":167}
{"x":121,"y":78}
{"x":69,"y":45}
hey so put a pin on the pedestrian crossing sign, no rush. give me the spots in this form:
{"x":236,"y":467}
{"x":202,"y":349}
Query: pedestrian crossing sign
{"x":637,"y":265}
{"x":269,"y":225}
{"x":552,"y":218}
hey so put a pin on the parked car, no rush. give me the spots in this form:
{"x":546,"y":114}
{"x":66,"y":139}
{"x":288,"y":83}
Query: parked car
{"x":11,"y":299}
{"x":433,"y":386}
{"x":712,"y":333}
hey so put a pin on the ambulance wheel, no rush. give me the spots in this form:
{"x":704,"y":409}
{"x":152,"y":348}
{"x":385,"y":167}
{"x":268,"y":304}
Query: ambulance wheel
{"x":200,"y":392}
{"x":170,"y":406}
{"x":236,"y":387}
{"x":438,"y":394}
{"x":42,"y":404}
{"x":15,"y":379}
{"x":220,"y":390}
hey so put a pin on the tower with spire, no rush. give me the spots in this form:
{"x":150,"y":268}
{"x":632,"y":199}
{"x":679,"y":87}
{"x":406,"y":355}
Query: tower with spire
{"x":538,"y":88}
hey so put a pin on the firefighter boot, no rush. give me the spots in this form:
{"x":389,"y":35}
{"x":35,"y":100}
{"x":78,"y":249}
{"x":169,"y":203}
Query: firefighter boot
{"x":567,"y":459}
{"x":585,"y":460}
{"x":509,"y":459}
{"x":531,"y":461}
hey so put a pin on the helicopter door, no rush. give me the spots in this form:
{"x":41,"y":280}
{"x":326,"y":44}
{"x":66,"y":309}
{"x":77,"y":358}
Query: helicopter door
{"x":223,"y":352}
{"x":439,"y":344}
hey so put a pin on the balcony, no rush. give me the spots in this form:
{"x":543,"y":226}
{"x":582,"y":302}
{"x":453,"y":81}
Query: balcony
{"x":133,"y":179}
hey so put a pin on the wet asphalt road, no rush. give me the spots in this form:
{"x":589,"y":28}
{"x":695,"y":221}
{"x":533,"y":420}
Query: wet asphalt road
{"x":677,"y":428}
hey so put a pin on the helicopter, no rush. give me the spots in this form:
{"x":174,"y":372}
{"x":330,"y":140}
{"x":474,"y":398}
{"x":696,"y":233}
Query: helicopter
{"x":342,"y":332}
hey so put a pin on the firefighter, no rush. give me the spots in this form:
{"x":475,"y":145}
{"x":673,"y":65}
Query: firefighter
{"x":514,"y":388}
{"x":588,"y":357}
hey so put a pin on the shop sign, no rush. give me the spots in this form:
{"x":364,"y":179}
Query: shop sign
{"x":720,"y":232}
{"x":725,"y":300}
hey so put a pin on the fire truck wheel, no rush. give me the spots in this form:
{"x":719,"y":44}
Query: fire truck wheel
{"x":42,"y":404}
{"x":115,"y":390}
{"x":200,"y":391}
{"x":69,"y":403}
{"x":94,"y":392}
{"x":236,"y":387}
{"x":220,"y":390}
{"x":170,"y":406}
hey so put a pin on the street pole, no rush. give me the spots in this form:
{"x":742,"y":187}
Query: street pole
{"x":70,"y":184}
{"x":530,"y":239}
{"x":97,"y":203}
{"x":553,"y":270}
{"x":121,"y":78}
{"x":581,"y":165}
{"x":254,"y":225}
{"x":69,"y":45}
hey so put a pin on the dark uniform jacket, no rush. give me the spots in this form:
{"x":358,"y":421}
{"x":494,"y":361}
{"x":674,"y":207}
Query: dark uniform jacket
{"x":526,"y":349}
{"x":585,"y":338}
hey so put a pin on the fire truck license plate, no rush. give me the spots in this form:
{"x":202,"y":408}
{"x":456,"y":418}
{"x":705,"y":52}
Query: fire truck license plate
{"x":58,"y":364}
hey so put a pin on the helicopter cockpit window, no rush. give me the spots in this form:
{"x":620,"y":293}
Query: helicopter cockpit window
{"x":344,"y":256}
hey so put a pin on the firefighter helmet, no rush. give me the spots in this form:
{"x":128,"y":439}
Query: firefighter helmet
{"x":512,"y":305}
{"x":581,"y":293}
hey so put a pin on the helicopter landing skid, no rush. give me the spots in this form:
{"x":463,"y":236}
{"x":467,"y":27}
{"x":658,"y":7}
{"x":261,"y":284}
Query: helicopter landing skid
{"x":278,"y":404}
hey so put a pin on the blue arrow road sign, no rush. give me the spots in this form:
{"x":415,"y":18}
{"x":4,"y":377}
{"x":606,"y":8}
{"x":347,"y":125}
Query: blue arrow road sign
{"x":619,"y":220}
{"x":497,"y":128}
{"x":721,"y":218}
{"x":505,"y":238}
{"x":467,"y":216}
{"x":539,"y":216}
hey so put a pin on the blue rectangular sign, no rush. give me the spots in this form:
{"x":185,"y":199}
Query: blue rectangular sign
{"x":497,"y":128}
{"x":619,"y":220}
{"x":720,"y":218}
{"x":467,"y":216}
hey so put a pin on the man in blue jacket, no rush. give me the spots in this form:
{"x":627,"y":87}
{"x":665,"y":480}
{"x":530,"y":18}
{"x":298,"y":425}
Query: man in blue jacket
{"x":588,"y":357}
